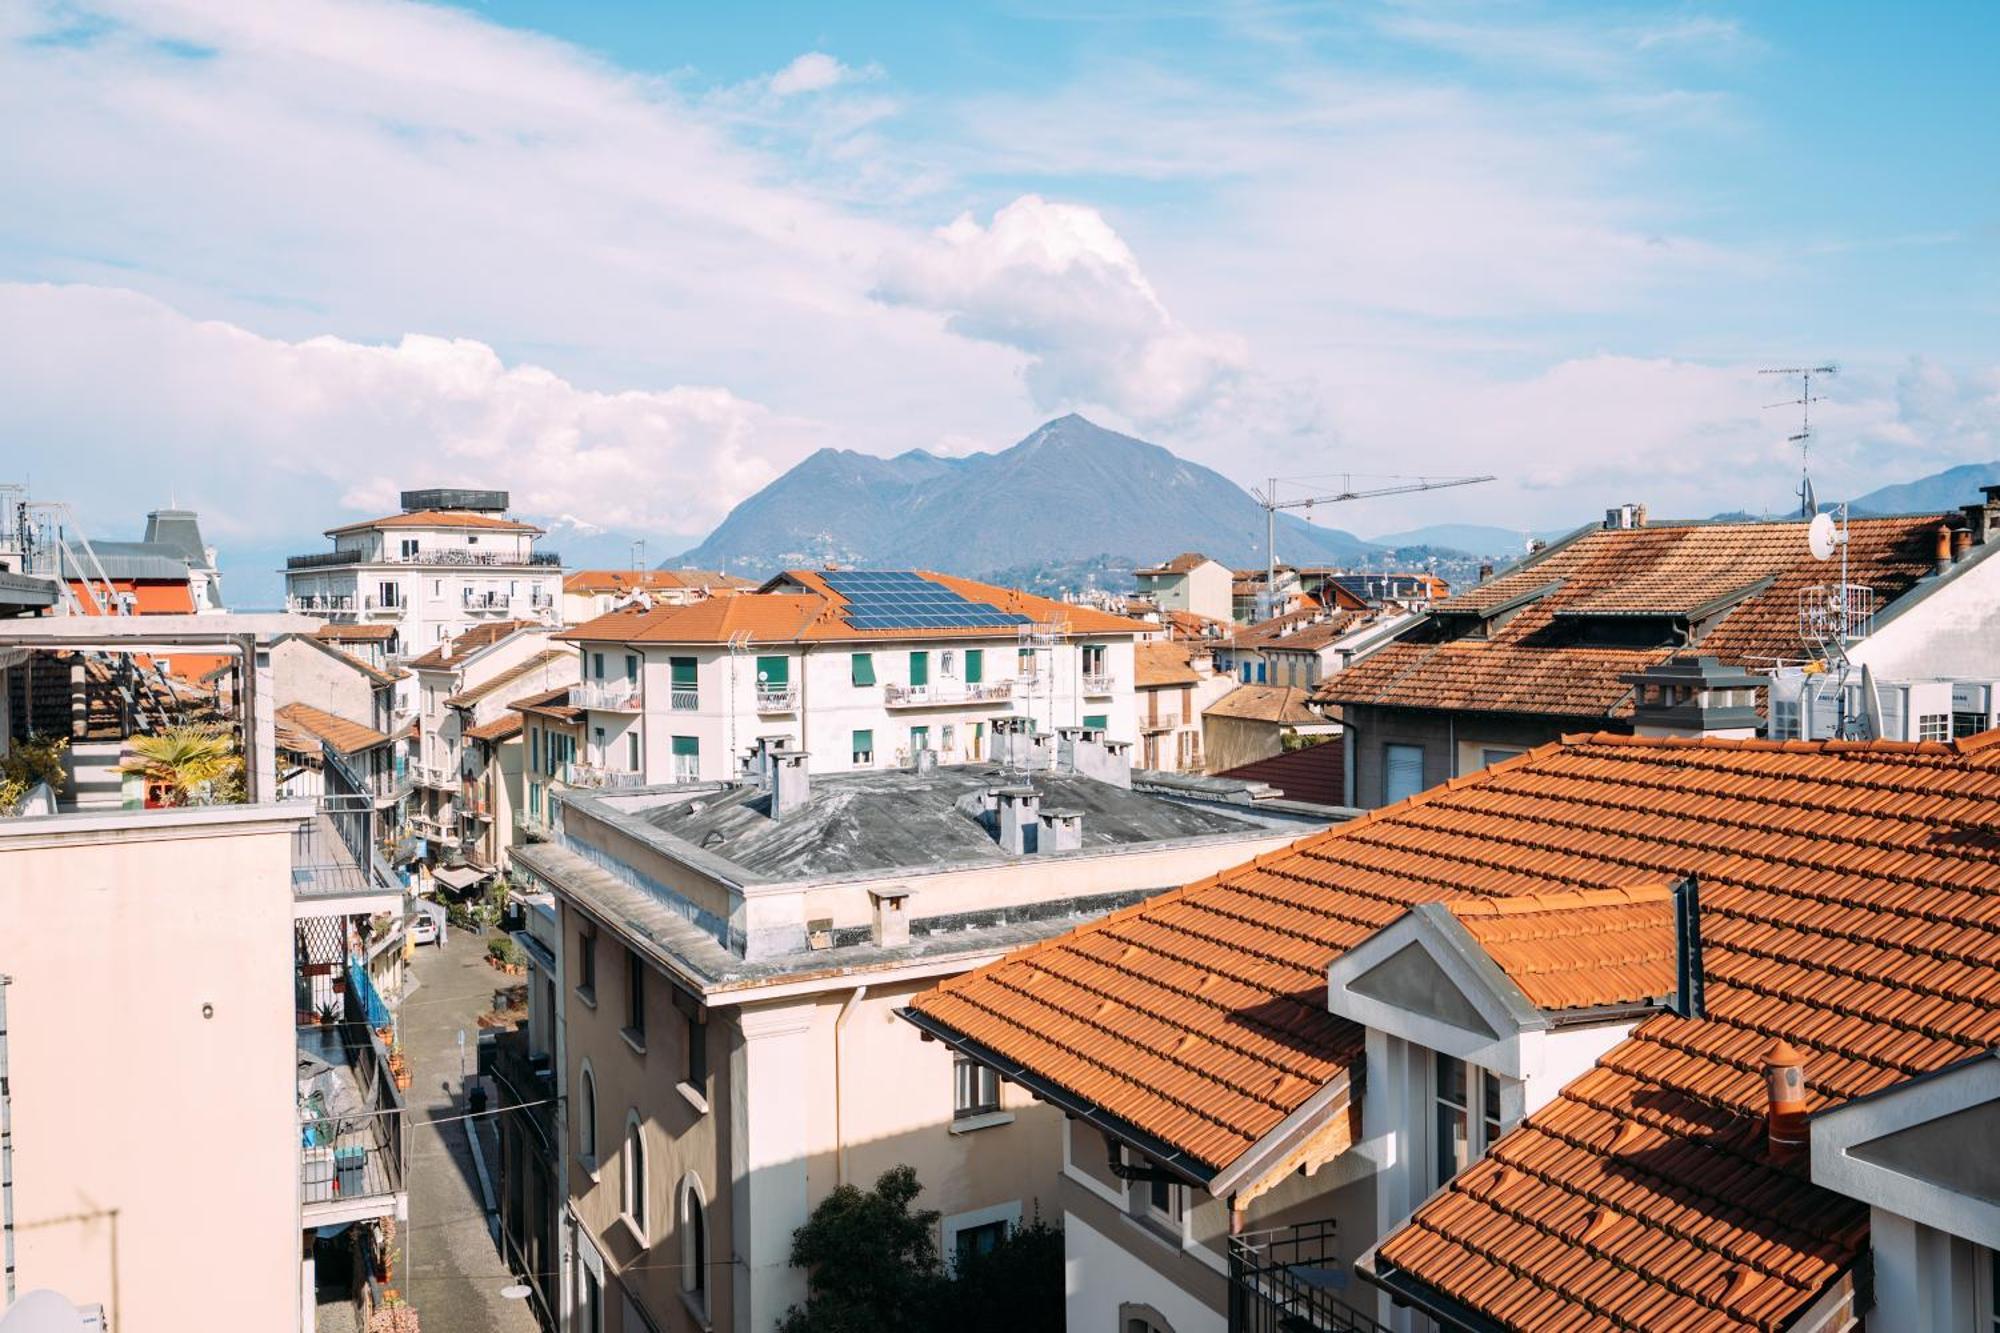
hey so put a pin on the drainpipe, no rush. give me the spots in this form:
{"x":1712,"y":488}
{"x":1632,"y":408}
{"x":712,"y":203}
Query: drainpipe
{"x":6,"y":1149}
{"x":840,"y":1026}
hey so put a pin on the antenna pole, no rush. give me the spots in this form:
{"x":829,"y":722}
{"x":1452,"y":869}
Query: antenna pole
{"x":1271,"y":550}
{"x":1808,"y":502}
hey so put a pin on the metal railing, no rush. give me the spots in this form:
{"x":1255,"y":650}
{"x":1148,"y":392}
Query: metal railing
{"x":946,"y":692}
{"x":777,"y":698}
{"x":594,"y":775}
{"x":330,"y":602}
{"x":683,"y":700}
{"x":623,"y":696}
{"x":440,"y":779}
{"x":1288,"y":1280}
{"x":485,"y":601}
{"x":1099,"y":682}
{"x":321,"y":559}
{"x":351,"y":1133}
{"x":533,"y":826}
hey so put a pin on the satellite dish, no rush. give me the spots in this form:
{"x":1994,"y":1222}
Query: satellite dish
{"x":1821,"y":537}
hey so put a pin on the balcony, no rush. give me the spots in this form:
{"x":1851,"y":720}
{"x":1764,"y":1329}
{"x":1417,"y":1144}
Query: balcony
{"x":321,"y":605}
{"x":1098,"y":683}
{"x":327,"y":874}
{"x":1164,"y":722}
{"x":593,"y":776}
{"x":535,"y":828}
{"x":322,"y":559}
{"x":777,"y":698}
{"x":947,"y":694}
{"x":486,"y":601}
{"x":683,"y":700}
{"x":351,"y":1127}
{"x":437,"y":779}
{"x":611,"y":696}
{"x":1288,"y":1280}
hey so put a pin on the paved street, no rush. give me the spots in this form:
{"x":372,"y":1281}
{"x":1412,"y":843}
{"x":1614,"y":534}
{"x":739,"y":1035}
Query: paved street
{"x":452,"y":1270}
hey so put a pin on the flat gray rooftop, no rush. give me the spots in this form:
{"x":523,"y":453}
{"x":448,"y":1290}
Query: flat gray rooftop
{"x":881,"y":821}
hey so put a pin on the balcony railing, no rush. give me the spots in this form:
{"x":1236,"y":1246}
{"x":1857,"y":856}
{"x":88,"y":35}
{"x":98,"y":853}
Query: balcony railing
{"x":351,"y":1125}
{"x":1288,"y":1280}
{"x":616,"y":696}
{"x":438,"y":779}
{"x":1098,"y":682}
{"x":1164,"y":722}
{"x":318,"y":605}
{"x":945,"y":693}
{"x":533,"y":827}
{"x":683,"y":701}
{"x":485,"y":601}
{"x":777,"y":698}
{"x":592,"y":775}
{"x":322,"y":559}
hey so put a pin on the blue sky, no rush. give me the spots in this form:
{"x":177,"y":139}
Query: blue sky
{"x":632,"y":260}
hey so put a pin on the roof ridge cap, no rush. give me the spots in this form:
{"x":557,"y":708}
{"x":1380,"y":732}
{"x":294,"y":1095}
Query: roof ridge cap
{"x":1520,"y":904}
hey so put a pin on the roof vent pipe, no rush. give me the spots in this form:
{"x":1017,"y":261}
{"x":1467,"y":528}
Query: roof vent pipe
{"x":1785,"y":1091}
{"x":1961,"y":544}
{"x":1690,"y":981}
{"x":1943,"y":548}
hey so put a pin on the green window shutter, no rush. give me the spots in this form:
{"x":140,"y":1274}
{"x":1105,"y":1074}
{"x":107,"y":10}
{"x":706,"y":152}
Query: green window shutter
{"x":774,"y":671}
{"x":631,"y":666}
{"x":920,"y":739}
{"x":864,"y":742}
{"x":864,"y":668}
{"x":684,"y":672}
{"x":920,"y":668}
{"x":1096,"y":721}
{"x":690,"y":745}
{"x":975,"y":665}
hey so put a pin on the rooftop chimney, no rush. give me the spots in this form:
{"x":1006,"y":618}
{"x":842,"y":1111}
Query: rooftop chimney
{"x":1690,"y":977}
{"x":1020,"y":808}
{"x":1961,"y":544}
{"x":892,"y":915}
{"x":1695,"y":697}
{"x":1943,"y":549}
{"x":1785,"y":1094}
{"x":924,"y":760}
{"x":1060,"y":831}
{"x":1103,"y":759}
{"x":1066,"y":742}
{"x":791,"y":787}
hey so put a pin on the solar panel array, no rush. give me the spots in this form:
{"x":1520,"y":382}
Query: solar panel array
{"x":899,"y":600}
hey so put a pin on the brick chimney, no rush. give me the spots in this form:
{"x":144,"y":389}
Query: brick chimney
{"x":1785,"y":1094}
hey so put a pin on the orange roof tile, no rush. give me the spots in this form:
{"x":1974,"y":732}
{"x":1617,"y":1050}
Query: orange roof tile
{"x":1299,"y":631}
{"x":438,"y":518}
{"x":550,"y":703}
{"x":1162,"y":662}
{"x":1851,"y":905}
{"x":1580,"y":949}
{"x":504,"y":727}
{"x":343,"y":735}
{"x":340,"y":633}
{"x":1530,"y":662}
{"x":625,"y":580}
{"x":479,"y":636}
{"x":1283,"y":704}
{"x":1180,"y":564}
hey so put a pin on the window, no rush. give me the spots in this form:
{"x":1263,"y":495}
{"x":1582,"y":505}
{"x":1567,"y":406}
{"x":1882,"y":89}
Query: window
{"x":386,"y":595}
{"x":597,"y":666}
{"x":920,"y":739}
{"x":1489,"y":757}
{"x":535,"y":749}
{"x":437,"y":587}
{"x":948,"y":737}
{"x":1093,"y":659}
{"x":978,"y":741}
{"x":597,"y":736}
{"x":409,"y":547}
{"x":864,"y":747}
{"x":694,"y":1244}
{"x":686,"y":686}
{"x":1965,"y":724}
{"x":1141,"y":1319}
{"x":1097,"y":721}
{"x":591,"y":1302}
{"x":975,"y":1088}
{"x":632,"y":667}
{"x":774,"y":673}
{"x":982,"y":1239}
{"x":1024,"y":661}
{"x":687,"y":758}
{"x":1452,"y":1135}
{"x":975,"y":665}
{"x":586,"y":964}
{"x":1489,"y":1109}
{"x":920,"y":670}
{"x":635,"y":998}
{"x":695,"y":1032}
{"x":632,"y":1176}
{"x":861,"y":669}
{"x":586,"y":1112}
{"x":632,"y":749}
{"x":1934,"y":726}
{"x":1403,"y":772}
{"x":1784,"y":719}
{"x":535,"y":799}
{"x":947,"y":664}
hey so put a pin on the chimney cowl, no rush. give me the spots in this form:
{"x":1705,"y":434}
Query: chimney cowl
{"x":1785,"y":1099}
{"x":1961,"y":544}
{"x":1943,"y":549}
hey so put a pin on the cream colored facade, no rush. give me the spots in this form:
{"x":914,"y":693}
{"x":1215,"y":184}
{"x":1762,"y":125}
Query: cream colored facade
{"x":1202,"y":588}
{"x":155,"y":1131}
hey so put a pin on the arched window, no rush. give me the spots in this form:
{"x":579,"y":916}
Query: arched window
{"x":586,"y":1112}
{"x":633,"y":1176}
{"x":1136,"y":1318}
{"x":694,"y":1241}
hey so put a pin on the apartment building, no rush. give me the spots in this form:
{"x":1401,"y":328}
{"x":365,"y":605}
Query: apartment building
{"x":204,"y":935}
{"x":1189,"y":582}
{"x":450,"y":561}
{"x":1174,"y":680}
{"x":724,"y":960}
{"x":553,"y":731}
{"x":468,"y":782}
{"x":590,"y":593}
{"x":1254,"y":722}
{"x":1547,"y":648}
{"x":859,"y":669}
{"x":1658,"y":1032}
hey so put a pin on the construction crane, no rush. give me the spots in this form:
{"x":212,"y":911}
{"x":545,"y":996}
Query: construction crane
{"x":1272,"y":504}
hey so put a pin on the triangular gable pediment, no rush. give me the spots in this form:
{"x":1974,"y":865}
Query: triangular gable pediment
{"x":1412,"y":980}
{"x":1935,"y":1152}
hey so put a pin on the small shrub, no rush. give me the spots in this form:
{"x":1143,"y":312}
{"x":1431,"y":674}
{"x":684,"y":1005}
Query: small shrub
{"x":503,"y":950}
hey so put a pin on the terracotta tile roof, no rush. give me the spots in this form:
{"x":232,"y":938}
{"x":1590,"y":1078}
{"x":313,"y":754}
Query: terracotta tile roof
{"x":1580,"y":949}
{"x":504,"y":727}
{"x":549,"y":703}
{"x":1299,"y":631}
{"x":344,"y":736}
{"x":439,"y":518}
{"x":625,"y":580}
{"x":1851,"y":905}
{"x":1188,"y":625}
{"x":479,"y":636}
{"x":1180,"y":564}
{"x":769,"y":616}
{"x":1315,"y":773}
{"x":1162,"y":662}
{"x":1283,"y":704}
{"x":339,"y":633}
{"x":1530,"y":663}
{"x":519,"y":671}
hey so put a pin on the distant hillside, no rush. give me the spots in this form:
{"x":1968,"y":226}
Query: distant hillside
{"x":1070,"y":492}
{"x":1929,"y":495}
{"x":1478,"y":539}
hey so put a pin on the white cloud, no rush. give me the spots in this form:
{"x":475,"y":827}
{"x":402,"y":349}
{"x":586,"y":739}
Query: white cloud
{"x":1054,"y":282}
{"x":813,"y":72}
{"x":270,"y":437}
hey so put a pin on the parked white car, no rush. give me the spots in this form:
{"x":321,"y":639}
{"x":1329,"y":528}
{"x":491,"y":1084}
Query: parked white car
{"x":423,"y":928}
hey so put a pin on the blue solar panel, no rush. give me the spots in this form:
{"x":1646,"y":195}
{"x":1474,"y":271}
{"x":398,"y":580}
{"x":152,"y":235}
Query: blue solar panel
{"x":896,"y":599}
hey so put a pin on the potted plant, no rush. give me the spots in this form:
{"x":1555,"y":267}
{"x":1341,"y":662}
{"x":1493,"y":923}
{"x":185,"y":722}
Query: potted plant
{"x":329,"y":1014}
{"x":185,"y":765}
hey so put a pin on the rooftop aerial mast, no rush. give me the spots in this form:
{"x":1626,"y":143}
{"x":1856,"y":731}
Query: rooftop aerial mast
{"x":1808,"y":503}
{"x":1272,"y":503}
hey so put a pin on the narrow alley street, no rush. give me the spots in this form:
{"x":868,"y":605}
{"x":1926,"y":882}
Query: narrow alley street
{"x":452,"y":1269}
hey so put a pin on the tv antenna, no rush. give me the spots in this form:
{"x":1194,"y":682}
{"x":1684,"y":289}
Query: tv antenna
{"x":1832,"y":615}
{"x":1808,"y":503}
{"x":1272,"y":504}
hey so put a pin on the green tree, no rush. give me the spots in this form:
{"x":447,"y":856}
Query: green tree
{"x":1016,"y":1285}
{"x":191,"y":764}
{"x":871,"y":1261}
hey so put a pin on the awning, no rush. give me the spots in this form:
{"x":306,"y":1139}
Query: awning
{"x":459,"y":877}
